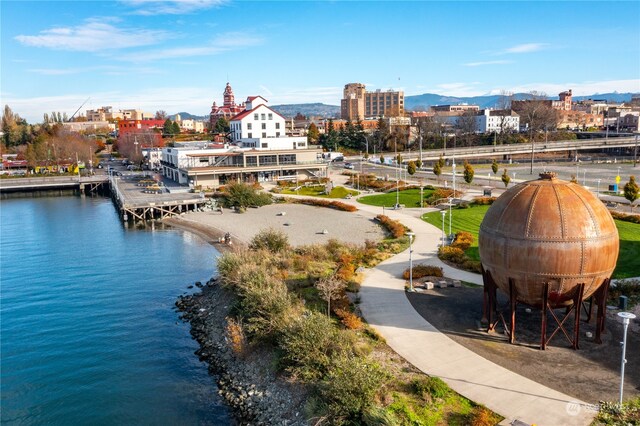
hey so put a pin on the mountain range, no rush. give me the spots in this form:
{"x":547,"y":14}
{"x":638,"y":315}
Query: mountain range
{"x":413,"y":103}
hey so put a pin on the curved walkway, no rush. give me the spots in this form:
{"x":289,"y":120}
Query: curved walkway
{"x":386,"y":307}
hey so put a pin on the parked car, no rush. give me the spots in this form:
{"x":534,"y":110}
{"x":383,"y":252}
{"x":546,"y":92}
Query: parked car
{"x":349,"y":166}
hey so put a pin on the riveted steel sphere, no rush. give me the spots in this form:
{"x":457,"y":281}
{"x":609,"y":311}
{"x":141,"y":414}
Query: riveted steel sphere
{"x":548,"y":231}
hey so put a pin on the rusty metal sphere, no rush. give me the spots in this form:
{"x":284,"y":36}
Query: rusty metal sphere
{"x":548,"y":231}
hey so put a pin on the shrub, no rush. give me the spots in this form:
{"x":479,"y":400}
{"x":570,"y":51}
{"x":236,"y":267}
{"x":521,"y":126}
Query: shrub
{"x":430,"y":387}
{"x":463,"y":240}
{"x":350,"y":387}
{"x":349,"y":319}
{"x":484,"y":201}
{"x":308,"y":346}
{"x":235,"y":336}
{"x":482,"y":416}
{"x":395,"y":228}
{"x":420,"y":271}
{"x":270,"y":239}
{"x":241,"y":196}
{"x":633,"y":218}
{"x":451,"y":254}
{"x":338,"y":205}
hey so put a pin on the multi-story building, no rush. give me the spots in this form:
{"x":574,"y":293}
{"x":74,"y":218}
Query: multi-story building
{"x":145,"y":132}
{"x":260,"y":127}
{"x":228,"y":109}
{"x":497,"y":121}
{"x":384,"y":104}
{"x":455,"y":108}
{"x":106,"y":113}
{"x":352,"y":103}
{"x":189,"y":125}
{"x":212,"y":167}
{"x":358,"y":104}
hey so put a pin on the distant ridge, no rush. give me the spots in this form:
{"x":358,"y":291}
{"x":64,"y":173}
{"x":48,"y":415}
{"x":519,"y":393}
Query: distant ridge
{"x":315,"y":110}
{"x":426,"y":100}
{"x":412,"y":103}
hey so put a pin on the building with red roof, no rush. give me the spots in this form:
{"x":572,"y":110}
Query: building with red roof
{"x":228,"y":109}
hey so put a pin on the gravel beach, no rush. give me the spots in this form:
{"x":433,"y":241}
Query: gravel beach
{"x":301,"y":223}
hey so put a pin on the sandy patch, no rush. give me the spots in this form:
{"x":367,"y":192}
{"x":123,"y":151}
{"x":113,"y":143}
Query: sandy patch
{"x":302,"y":224}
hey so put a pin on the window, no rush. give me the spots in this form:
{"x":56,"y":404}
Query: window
{"x":249,"y":135}
{"x":301,"y":144}
{"x":277,"y":125}
{"x":262,"y":116}
{"x":255,"y":116}
{"x":270,"y":116}
{"x":277,"y":134}
{"x":248,"y":126}
{"x":264,"y":134}
{"x":264,"y":126}
{"x":265,"y":145}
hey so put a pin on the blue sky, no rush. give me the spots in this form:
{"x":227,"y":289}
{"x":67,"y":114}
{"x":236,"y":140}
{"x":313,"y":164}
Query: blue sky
{"x":178,"y":55}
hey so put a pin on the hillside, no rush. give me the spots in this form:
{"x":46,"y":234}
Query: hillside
{"x":424,"y":101}
{"x":413,"y":103}
{"x":315,"y":109}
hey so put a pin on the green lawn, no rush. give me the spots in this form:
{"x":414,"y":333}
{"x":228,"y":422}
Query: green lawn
{"x":318,"y":191}
{"x":408,"y":197}
{"x":469,"y":220}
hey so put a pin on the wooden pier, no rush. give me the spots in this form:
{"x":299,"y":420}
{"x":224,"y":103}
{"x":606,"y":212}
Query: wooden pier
{"x":135,"y":204}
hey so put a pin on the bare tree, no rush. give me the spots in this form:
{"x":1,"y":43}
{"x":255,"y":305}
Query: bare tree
{"x":504,"y":105}
{"x":538,"y":114}
{"x":466,"y":123}
{"x":330,"y":288}
{"x":161,"y":115}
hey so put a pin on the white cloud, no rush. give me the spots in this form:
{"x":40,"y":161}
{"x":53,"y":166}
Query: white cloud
{"x":221,"y":44}
{"x":173,"y":7}
{"x":525,"y":48}
{"x":481,"y":63}
{"x":93,"y":36}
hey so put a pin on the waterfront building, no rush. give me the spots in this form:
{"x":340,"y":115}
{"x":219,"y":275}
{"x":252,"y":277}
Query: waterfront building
{"x":260,"y":151}
{"x":215,"y":166}
{"x":260,"y":127}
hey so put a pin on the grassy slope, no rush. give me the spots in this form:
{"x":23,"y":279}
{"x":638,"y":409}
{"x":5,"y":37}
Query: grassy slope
{"x":409,"y":197}
{"x":469,"y":220}
{"x":318,"y":191}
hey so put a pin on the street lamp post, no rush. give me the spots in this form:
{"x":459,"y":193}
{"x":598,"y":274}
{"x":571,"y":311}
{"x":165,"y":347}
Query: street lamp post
{"x":444,"y":213}
{"x":410,"y":235}
{"x":626,"y":317}
{"x":397,"y":178}
{"x":450,"y":204}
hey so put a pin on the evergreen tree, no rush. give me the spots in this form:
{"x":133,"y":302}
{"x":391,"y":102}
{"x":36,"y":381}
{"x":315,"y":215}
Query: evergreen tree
{"x":468,"y":172}
{"x":221,"y":126}
{"x":494,"y":166}
{"x":419,"y":163}
{"x":437,"y":169}
{"x":411,"y":168}
{"x":631,"y":190}
{"x":505,"y":178}
{"x":313,"y":135}
{"x":175,"y":127}
{"x":441,"y":161}
{"x":381,"y":159}
{"x":167,"y":128}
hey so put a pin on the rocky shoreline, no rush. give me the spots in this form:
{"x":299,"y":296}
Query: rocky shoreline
{"x":248,"y":383}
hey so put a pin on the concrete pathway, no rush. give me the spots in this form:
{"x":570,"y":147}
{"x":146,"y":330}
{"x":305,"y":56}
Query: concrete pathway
{"x":386,"y":307}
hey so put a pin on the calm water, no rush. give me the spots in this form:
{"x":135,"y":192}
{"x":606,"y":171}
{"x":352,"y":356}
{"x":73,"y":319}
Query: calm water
{"x":88,"y":332}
